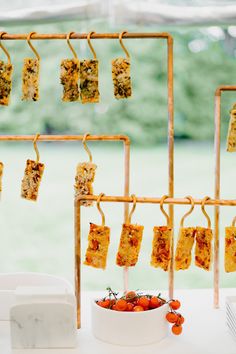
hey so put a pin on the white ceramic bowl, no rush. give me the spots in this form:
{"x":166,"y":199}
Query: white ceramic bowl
{"x":129,"y":328}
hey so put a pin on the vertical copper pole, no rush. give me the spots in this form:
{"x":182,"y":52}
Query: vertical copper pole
{"x":126,"y":205}
{"x":217,"y":196}
{"x":171,"y":154}
{"x":77,"y":210}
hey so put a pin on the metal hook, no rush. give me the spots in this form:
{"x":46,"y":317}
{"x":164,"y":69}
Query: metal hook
{"x":90,"y":45}
{"x":234,"y":221}
{"x":36,"y":148}
{"x":70,"y":45}
{"x":133,"y":208}
{"x":31,"y":45}
{"x":205,"y":213}
{"x":86,"y":147}
{"x":162,"y":209}
{"x":189,"y":212}
{"x":122,"y":44}
{"x":4,"y":49}
{"x":99,"y":208}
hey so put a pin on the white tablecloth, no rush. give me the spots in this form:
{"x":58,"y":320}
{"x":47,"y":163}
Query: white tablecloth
{"x":204,"y":331}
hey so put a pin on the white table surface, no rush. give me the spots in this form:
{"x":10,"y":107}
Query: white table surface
{"x":204,"y":331}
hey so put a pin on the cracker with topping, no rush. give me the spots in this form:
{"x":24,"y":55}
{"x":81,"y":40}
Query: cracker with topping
{"x":85,"y":174}
{"x":89,"y":90}
{"x":6,"y":70}
{"x":130,"y":243}
{"x":31,"y":180}
{"x":30,"y":79}
{"x":183,"y":254}
{"x":98,"y":243}
{"x":203,"y":248}
{"x":161,"y":247}
{"x":230,"y":249}
{"x":69,"y":79}
{"x":121,"y":78}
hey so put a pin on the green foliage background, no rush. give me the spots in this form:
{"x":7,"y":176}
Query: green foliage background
{"x":144,"y":117}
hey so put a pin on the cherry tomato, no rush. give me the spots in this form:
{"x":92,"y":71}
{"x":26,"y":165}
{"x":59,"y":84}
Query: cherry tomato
{"x":155,"y":302}
{"x":105,"y":303}
{"x":177,"y":329}
{"x":180,"y":319}
{"x":143,"y":301}
{"x":121,"y":305}
{"x":130,"y":296}
{"x":175,"y":304}
{"x":138,"y":308}
{"x":171,"y":317}
{"x":130,"y":306}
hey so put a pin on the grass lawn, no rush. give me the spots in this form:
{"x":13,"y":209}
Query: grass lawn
{"x":38,"y":236}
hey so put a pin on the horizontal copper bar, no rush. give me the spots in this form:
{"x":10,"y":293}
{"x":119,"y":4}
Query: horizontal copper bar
{"x":75,"y":35}
{"x":181,"y":201}
{"x":65,"y":138}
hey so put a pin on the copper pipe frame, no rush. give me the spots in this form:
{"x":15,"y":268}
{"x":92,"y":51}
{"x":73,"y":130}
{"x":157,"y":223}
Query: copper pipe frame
{"x":170,"y":80}
{"x":217,"y":145}
{"x":126,"y":142}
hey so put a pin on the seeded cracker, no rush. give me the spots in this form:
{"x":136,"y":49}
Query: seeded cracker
{"x":121,"y":78}
{"x":30,"y":80}
{"x":85,"y":174}
{"x":230,"y":249}
{"x":98,"y":242}
{"x":89,"y":91}
{"x":231,"y":138}
{"x":183,"y":255}
{"x":6,"y":70}
{"x":130,"y":243}
{"x":31,"y":180}
{"x":161,"y":247}
{"x":203,"y":249}
{"x":69,"y":79}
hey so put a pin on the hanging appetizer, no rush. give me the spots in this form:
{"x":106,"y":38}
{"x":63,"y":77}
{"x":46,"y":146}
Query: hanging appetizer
{"x":183,"y":255}
{"x":33,"y":175}
{"x":121,"y":73}
{"x":230,"y":247}
{"x":6,"y":70}
{"x":85,"y":174}
{"x":130,"y":241}
{"x":30,"y":75}
{"x":89,"y":91}
{"x":70,"y":75}
{"x":98,"y":242}
{"x":161,"y":243}
{"x":231,"y":138}
{"x":203,"y":248}
{"x":1,"y":174}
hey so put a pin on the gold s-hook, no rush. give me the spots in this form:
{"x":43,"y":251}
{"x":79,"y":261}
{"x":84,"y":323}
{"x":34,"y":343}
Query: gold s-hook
{"x":31,"y":45}
{"x":133,"y":208}
{"x":162,"y":208}
{"x":86,"y":147}
{"x":70,"y":45}
{"x":234,"y":221}
{"x":99,"y":208}
{"x":122,"y":44}
{"x":189,"y":212}
{"x":205,"y":213}
{"x":90,"y":45}
{"x":36,"y":148}
{"x":4,"y":49}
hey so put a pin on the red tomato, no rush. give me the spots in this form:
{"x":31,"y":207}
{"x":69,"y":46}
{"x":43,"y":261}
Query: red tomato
{"x":130,"y":306}
{"x":138,"y":308}
{"x":175,"y":304}
{"x":171,"y":317}
{"x":155,"y":302}
{"x":143,"y":301}
{"x":121,"y":305}
{"x":177,"y":329}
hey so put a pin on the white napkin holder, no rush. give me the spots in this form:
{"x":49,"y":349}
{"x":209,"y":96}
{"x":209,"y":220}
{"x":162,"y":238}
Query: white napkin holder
{"x":43,"y":317}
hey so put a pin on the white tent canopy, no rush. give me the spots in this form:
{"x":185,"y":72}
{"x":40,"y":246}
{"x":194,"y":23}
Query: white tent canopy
{"x":169,"y":12}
